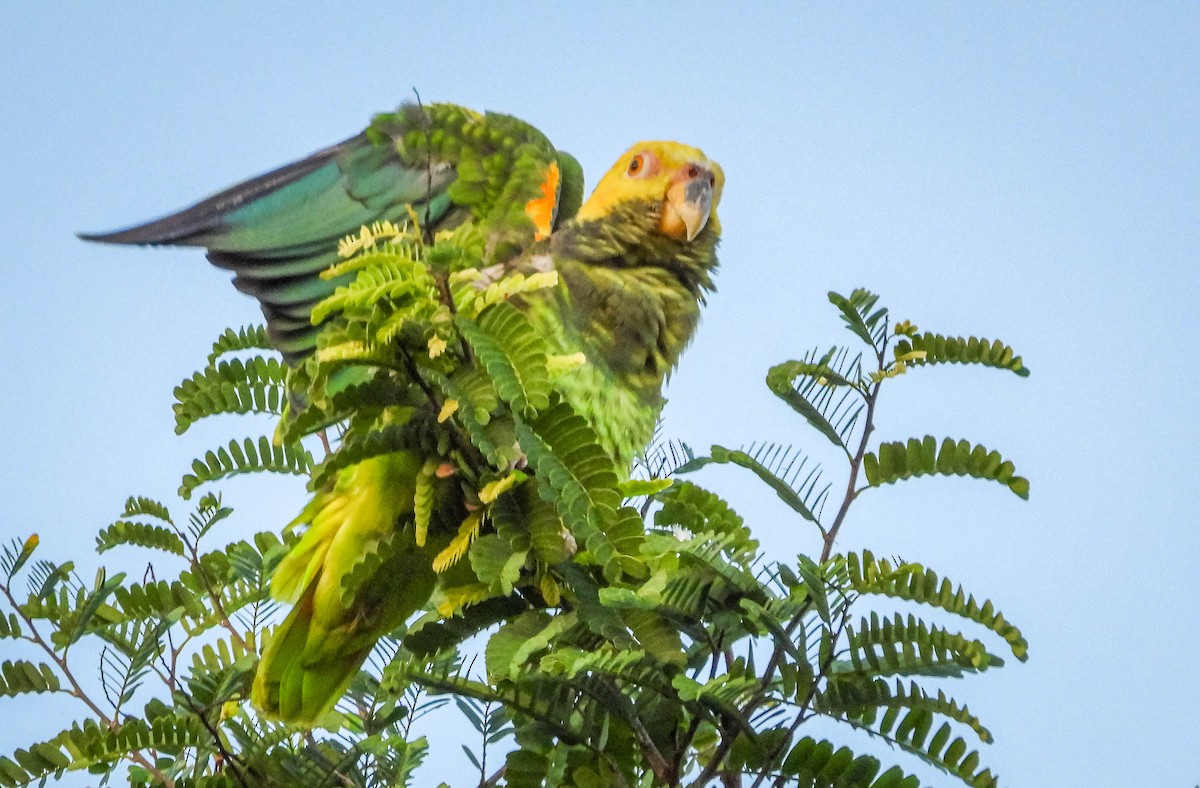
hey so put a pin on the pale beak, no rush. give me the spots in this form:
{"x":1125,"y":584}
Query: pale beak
{"x":689,"y":203}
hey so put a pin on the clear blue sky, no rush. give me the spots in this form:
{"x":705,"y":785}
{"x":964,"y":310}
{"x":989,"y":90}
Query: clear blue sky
{"x":997,"y":169}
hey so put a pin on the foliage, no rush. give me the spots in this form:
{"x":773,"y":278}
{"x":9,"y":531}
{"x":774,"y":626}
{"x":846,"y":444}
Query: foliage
{"x":632,"y":631}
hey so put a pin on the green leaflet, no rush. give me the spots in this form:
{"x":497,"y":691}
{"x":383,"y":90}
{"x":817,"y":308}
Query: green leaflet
{"x":546,"y":533}
{"x":782,"y":488}
{"x":656,"y":635}
{"x":518,"y":641}
{"x":10,"y":626}
{"x":939,"y":349}
{"x":526,"y":769}
{"x":579,"y":478}
{"x":808,"y":389}
{"x":513,"y":637}
{"x":635,"y":488}
{"x":496,"y":564}
{"x":514,"y":355}
{"x":895,"y":461}
{"x":816,"y":762}
{"x":246,"y":456}
{"x":869,"y":575}
{"x":423,"y":499}
{"x":689,"y":506}
{"x":81,"y":747}
{"x":246,"y":338}
{"x":125,"y":532}
{"x":21,"y":676}
{"x":724,"y":693}
{"x":913,"y":648}
{"x":256,"y":385}
{"x":858,"y":315}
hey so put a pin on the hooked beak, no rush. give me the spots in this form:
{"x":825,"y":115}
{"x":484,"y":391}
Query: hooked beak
{"x":689,"y":203}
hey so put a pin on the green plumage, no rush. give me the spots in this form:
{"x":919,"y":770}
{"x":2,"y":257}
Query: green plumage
{"x":444,"y":164}
{"x":630,"y":301}
{"x":627,"y":298}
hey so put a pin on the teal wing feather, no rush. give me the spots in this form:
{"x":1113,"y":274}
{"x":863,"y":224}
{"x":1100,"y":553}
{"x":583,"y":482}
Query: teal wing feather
{"x":278,"y":232}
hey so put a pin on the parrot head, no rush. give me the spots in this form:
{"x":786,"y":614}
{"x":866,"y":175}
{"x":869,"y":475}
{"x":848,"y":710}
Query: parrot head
{"x":680,"y":179}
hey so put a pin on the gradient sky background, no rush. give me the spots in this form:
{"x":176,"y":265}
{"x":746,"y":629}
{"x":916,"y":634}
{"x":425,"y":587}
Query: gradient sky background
{"x":999,"y":170}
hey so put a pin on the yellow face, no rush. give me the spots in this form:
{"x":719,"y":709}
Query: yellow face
{"x":685,"y":181}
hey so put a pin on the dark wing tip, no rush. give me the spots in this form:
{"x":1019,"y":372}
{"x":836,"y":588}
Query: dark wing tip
{"x":189,"y":226}
{"x":144,"y":234}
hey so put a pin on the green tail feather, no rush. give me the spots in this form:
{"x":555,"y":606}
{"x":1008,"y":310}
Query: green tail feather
{"x":354,"y":576}
{"x":306,"y":667}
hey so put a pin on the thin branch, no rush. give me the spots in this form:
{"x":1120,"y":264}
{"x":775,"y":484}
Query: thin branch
{"x":76,"y":690}
{"x":214,"y":597}
{"x":777,"y":751}
{"x":855,"y":463}
{"x":225,"y":755}
{"x":426,"y":230}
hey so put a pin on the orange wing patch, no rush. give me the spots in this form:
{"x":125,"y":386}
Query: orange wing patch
{"x":540,"y":210}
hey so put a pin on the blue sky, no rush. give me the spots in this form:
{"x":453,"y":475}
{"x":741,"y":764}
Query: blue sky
{"x":1014,"y":170}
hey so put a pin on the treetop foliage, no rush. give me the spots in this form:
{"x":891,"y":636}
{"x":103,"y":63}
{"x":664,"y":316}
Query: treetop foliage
{"x":593,"y":630}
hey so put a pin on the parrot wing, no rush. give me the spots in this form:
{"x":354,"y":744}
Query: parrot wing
{"x":442,"y":164}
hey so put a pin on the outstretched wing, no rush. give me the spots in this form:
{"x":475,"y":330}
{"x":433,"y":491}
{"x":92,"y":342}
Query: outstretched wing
{"x":445,"y":164}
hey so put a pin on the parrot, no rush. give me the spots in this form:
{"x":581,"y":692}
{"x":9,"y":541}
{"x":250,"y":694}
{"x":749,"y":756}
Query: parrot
{"x":634,"y":265}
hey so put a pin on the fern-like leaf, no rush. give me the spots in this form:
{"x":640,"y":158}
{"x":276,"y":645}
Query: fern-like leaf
{"x":137,"y":506}
{"x":895,"y":461}
{"x":863,"y":701}
{"x":784,"y":477}
{"x":514,"y":355}
{"x":21,"y":676}
{"x":826,"y":399}
{"x":434,"y":633}
{"x":86,"y":609}
{"x":899,"y":647}
{"x":910,"y":730}
{"x":125,"y":532}
{"x":256,"y":385}
{"x":663,"y":459}
{"x":246,"y":338}
{"x":869,"y":575}
{"x":818,"y":763}
{"x":861,"y":317}
{"x":691,"y":507}
{"x":90,"y":745}
{"x":578,"y":477}
{"x":246,"y":456}
{"x":930,"y":348}
{"x":10,"y":626}
{"x":16,"y":554}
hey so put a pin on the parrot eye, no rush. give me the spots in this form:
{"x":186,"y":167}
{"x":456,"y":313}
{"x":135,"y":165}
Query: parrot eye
{"x":635,"y":165}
